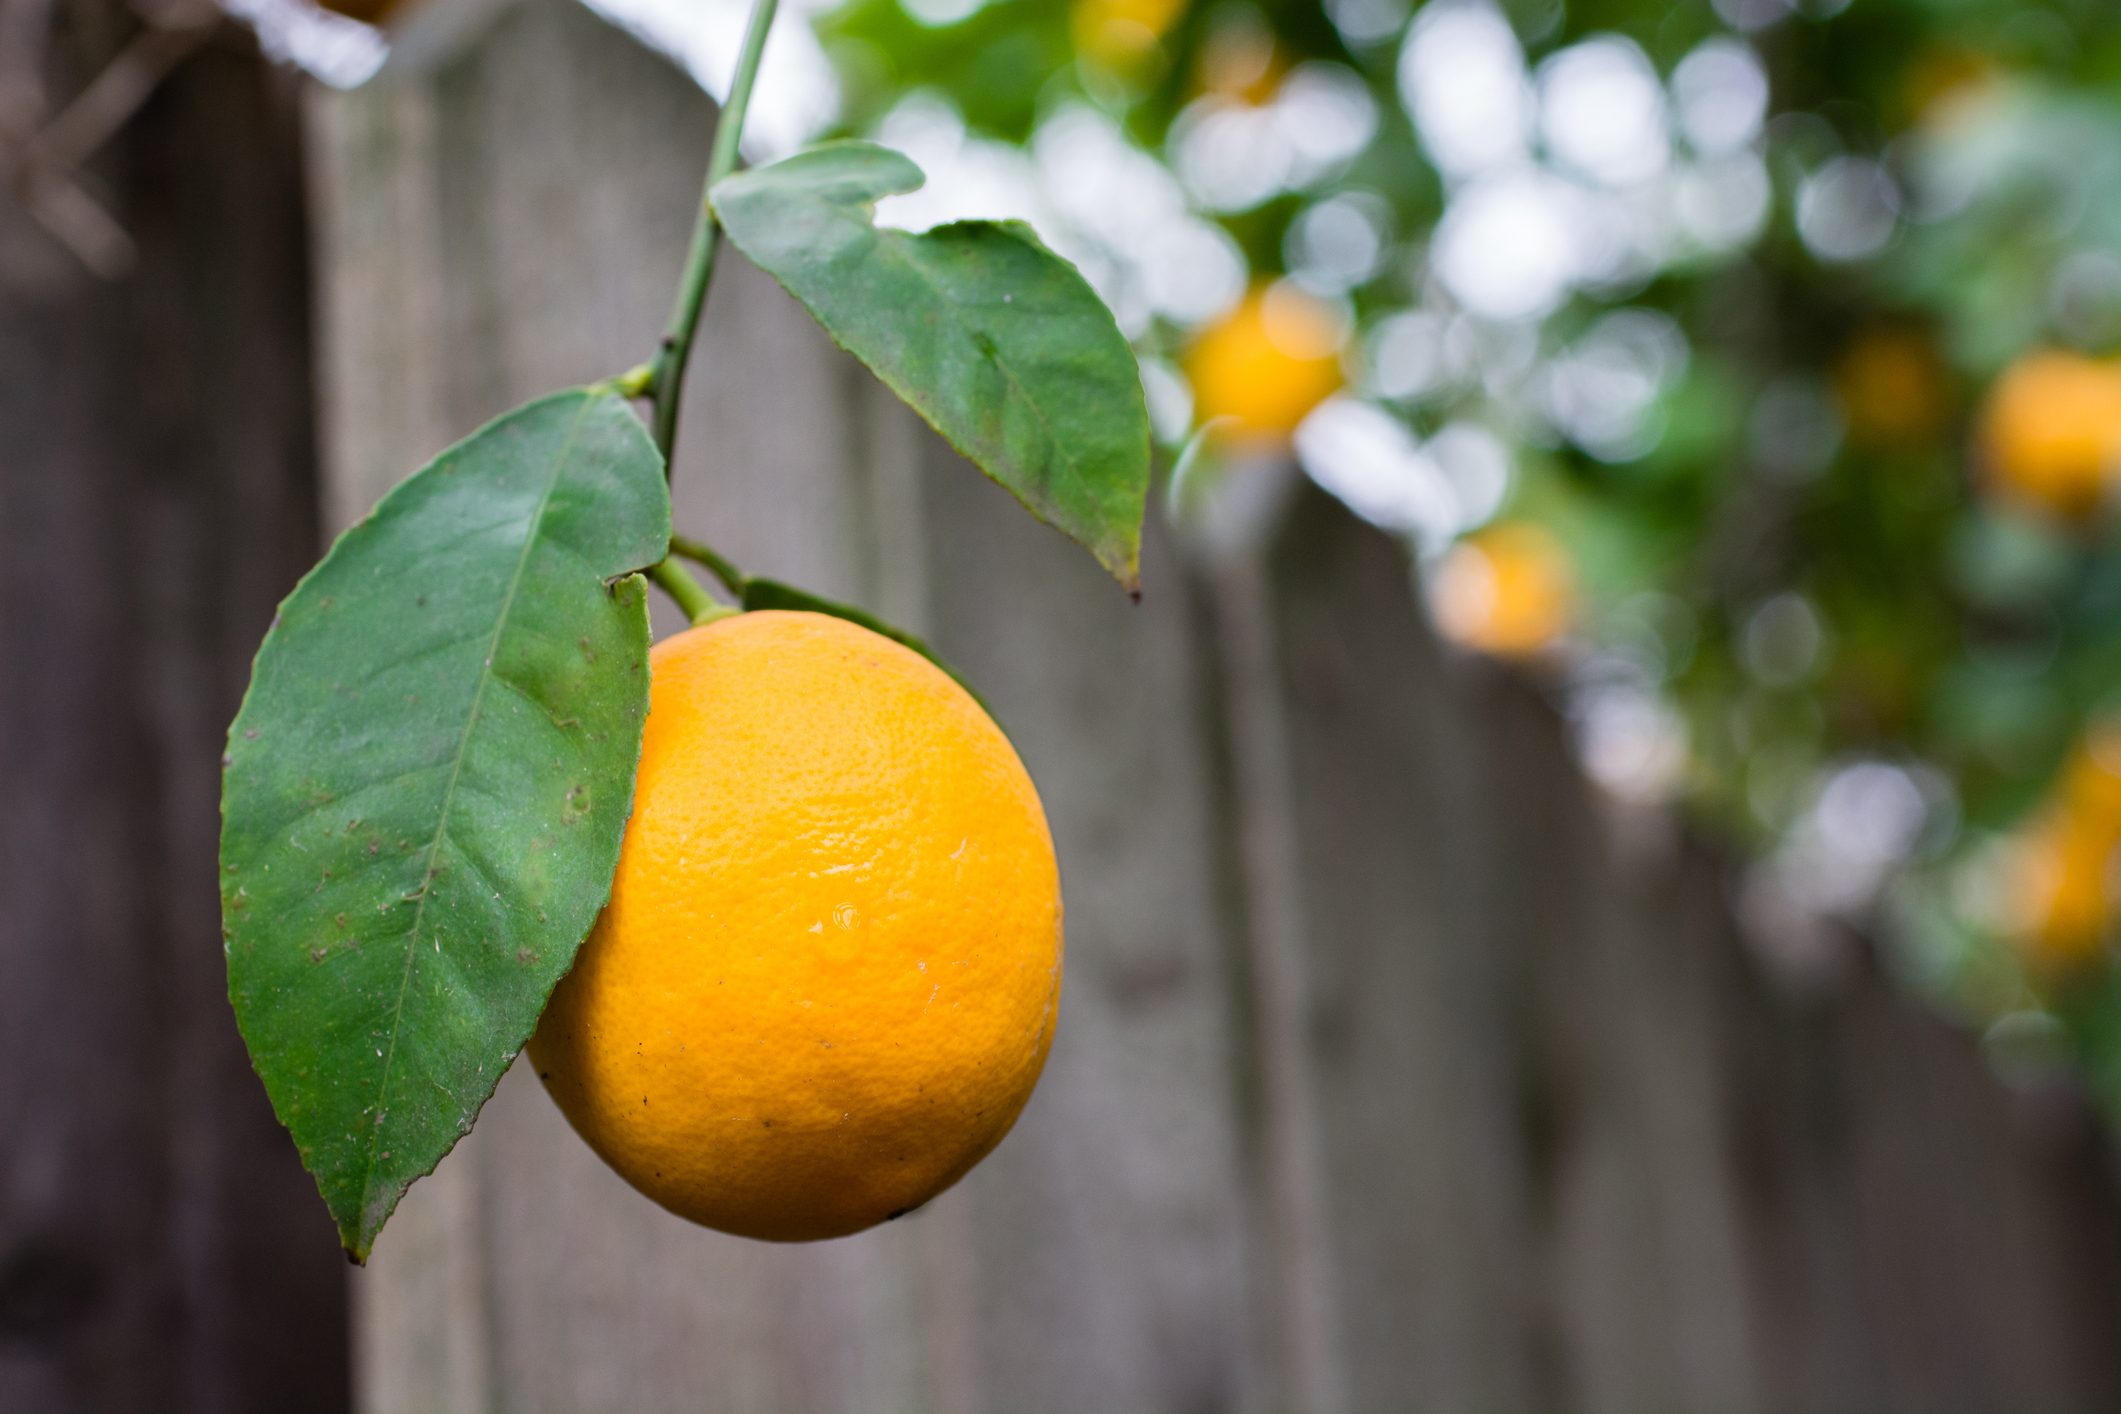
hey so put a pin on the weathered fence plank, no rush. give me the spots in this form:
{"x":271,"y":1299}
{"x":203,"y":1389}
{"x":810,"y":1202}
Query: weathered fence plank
{"x":160,"y":1246}
{"x":1391,"y":1075}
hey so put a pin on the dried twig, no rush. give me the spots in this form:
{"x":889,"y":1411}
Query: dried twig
{"x":39,"y":162}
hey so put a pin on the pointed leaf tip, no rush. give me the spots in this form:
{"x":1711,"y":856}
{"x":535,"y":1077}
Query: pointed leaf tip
{"x":997,"y":342}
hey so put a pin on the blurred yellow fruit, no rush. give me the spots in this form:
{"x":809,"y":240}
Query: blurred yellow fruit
{"x":2051,"y":432}
{"x":1241,"y":62}
{"x":1943,"y":80}
{"x":1266,"y":364}
{"x":372,"y":12}
{"x":1508,"y":590}
{"x":1119,"y":34}
{"x":2062,"y":889}
{"x":1891,"y":388}
{"x":2090,"y":788}
{"x":826,"y":980}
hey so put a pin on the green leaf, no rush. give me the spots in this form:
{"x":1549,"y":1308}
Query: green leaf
{"x":772,"y":594}
{"x":424,"y":793}
{"x":991,"y":337}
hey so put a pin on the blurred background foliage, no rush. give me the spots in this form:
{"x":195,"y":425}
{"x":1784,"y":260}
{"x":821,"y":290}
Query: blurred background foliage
{"x":1743,"y":369}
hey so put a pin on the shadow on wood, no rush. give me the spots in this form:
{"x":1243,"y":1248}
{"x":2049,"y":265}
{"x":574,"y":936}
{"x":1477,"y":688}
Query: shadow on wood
{"x":160,"y":1246}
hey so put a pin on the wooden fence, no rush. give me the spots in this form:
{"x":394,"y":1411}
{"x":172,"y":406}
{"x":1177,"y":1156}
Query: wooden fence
{"x":160,"y":1247}
{"x":1393,"y":1074}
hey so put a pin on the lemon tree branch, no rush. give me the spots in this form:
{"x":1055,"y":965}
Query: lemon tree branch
{"x":666,"y":379}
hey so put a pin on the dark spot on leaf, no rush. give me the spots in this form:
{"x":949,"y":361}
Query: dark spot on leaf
{"x":589,"y":654}
{"x":250,"y":734}
{"x":525,"y":956}
{"x":319,"y":953}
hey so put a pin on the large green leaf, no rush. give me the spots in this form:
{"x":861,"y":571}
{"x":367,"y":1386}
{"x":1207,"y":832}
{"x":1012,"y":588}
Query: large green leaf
{"x":994,"y":339}
{"x":425,"y":790}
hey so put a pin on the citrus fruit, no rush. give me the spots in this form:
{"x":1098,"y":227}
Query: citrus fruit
{"x":1117,"y":34}
{"x":1891,"y":388}
{"x":1266,"y":364}
{"x":1240,"y":62}
{"x":2063,"y":883}
{"x":826,"y":980}
{"x":2063,"y":888}
{"x":2051,"y":432}
{"x":1506,"y":590}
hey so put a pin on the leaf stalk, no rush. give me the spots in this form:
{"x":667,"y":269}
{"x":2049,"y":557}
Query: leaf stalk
{"x":676,"y":581}
{"x":706,"y":556}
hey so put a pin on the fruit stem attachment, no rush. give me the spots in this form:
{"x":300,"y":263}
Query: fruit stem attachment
{"x":666,"y":380}
{"x":712,"y":560}
{"x":676,"y":581}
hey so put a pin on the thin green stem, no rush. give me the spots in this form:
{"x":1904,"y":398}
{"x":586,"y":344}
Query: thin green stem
{"x":699,"y":553}
{"x":667,"y":383}
{"x":676,"y":581}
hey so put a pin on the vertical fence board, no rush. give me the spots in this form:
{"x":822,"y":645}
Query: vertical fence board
{"x":160,"y":1247}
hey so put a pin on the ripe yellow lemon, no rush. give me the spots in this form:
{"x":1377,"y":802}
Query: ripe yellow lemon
{"x":1240,"y":61}
{"x":1945,"y":82}
{"x":2063,"y":883}
{"x":1891,"y":388}
{"x":826,"y":980}
{"x":1119,"y":34}
{"x":2063,"y":889}
{"x":1507,"y":590}
{"x":2051,"y":432}
{"x":1265,"y":365}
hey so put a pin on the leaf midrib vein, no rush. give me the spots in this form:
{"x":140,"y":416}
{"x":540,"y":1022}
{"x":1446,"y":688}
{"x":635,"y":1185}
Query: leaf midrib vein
{"x":898,"y":250}
{"x":434,"y":849}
